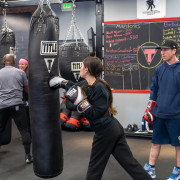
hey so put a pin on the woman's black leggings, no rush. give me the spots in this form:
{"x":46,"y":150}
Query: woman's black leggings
{"x":113,"y":142}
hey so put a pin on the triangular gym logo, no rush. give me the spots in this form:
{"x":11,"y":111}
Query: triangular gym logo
{"x":76,"y":76}
{"x":49,"y":63}
{"x":148,"y":56}
{"x":149,"y":53}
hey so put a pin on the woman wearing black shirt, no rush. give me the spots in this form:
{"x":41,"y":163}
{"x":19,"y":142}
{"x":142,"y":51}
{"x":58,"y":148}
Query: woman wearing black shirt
{"x":97,"y":103}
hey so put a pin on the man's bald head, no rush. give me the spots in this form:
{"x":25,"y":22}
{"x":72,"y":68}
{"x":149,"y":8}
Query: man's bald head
{"x":8,"y":60}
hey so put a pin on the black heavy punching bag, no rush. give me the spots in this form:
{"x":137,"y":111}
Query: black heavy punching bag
{"x":7,"y":43}
{"x":71,"y":56}
{"x":44,"y":101}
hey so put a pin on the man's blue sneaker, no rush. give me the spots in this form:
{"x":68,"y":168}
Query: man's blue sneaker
{"x":175,"y":174}
{"x":178,"y":178}
{"x":150,"y":170}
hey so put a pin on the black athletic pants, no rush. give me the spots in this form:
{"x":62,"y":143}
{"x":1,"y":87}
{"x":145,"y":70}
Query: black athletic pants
{"x":28,"y":119}
{"x":113,"y":142}
{"x":18,"y":113}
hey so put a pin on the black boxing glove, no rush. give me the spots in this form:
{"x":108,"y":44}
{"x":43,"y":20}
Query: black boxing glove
{"x":75,"y":95}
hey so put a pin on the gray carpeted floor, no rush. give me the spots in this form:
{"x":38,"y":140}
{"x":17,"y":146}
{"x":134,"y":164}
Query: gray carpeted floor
{"x":76,"y":147}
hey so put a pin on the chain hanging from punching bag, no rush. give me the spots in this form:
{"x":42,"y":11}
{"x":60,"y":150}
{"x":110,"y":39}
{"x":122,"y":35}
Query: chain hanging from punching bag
{"x":72,"y":53}
{"x":73,"y":25}
{"x":7,"y":40}
{"x":44,"y":101}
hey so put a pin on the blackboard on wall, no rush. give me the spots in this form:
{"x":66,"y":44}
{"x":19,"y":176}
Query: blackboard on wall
{"x":130,"y":57}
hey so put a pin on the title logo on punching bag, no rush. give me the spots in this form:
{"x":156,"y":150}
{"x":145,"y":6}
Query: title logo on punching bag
{"x":49,"y":48}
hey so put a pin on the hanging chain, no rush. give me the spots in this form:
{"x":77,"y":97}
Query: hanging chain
{"x":5,"y":25}
{"x":48,"y":3}
{"x":73,"y":25}
{"x":74,"y":22}
{"x":41,"y":2}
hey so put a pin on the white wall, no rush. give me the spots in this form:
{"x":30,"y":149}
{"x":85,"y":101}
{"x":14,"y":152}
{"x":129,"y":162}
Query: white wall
{"x":115,"y":10}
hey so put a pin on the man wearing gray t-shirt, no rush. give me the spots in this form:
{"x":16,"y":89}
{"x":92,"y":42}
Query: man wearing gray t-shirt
{"x":12,"y":83}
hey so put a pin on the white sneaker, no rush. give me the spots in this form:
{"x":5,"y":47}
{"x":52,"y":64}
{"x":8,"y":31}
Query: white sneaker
{"x":28,"y":159}
{"x":150,"y":170}
{"x":175,"y":174}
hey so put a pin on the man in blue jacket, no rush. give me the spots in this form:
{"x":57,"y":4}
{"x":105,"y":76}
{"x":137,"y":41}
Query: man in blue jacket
{"x":164,"y":107}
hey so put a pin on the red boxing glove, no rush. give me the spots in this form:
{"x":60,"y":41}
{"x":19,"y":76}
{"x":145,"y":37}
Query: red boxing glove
{"x":149,"y":117}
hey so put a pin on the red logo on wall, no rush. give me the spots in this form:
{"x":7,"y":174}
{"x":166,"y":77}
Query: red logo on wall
{"x":148,"y":56}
